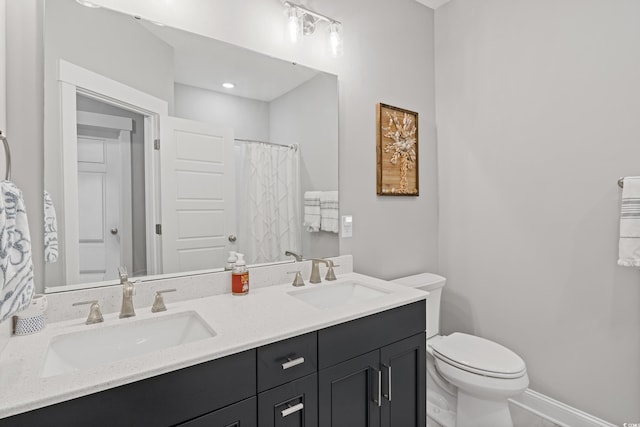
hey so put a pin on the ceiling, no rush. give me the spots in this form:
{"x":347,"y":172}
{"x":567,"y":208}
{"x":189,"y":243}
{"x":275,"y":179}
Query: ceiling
{"x":207,"y":63}
{"x":433,"y":4}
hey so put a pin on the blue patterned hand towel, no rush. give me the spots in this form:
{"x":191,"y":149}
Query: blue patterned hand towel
{"x":50,"y":230}
{"x":629,"y":246}
{"x":16,"y":267}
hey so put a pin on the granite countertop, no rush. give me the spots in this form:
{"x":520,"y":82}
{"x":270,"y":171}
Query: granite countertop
{"x":264,"y":316}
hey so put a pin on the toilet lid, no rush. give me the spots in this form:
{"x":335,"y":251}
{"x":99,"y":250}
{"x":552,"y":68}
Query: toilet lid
{"x":478,"y":355}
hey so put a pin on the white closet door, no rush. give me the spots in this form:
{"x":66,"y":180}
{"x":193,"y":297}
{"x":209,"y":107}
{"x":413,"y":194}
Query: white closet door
{"x":198,"y":194}
{"x":104,"y":195}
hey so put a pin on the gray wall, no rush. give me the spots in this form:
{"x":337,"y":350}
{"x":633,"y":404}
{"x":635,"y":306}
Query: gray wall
{"x":308,"y":116}
{"x":537,"y":109}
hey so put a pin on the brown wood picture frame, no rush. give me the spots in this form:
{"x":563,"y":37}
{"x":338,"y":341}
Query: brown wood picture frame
{"x":397,"y":152}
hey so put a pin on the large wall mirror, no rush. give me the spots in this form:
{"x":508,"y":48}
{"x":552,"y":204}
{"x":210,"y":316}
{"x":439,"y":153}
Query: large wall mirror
{"x":152,"y":164}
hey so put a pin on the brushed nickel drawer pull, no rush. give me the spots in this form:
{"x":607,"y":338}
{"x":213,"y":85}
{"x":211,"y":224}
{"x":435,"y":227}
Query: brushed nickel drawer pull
{"x":388,"y":393}
{"x":379,"y":388}
{"x":292,"y":409}
{"x":291,"y":363}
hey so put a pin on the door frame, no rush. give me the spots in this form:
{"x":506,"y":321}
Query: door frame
{"x":73,"y":79}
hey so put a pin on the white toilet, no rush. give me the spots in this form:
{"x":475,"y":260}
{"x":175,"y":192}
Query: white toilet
{"x":478,"y":374}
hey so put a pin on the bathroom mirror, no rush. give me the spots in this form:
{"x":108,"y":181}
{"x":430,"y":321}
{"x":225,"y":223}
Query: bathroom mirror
{"x":151,"y":164}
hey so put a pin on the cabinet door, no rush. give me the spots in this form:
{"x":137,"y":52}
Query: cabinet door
{"x":294,"y":404}
{"x":349,"y":393}
{"x":403,"y":382}
{"x":241,"y":414}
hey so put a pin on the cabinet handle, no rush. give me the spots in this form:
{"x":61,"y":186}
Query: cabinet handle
{"x":292,"y":409}
{"x":377,"y":396}
{"x":388,"y":393}
{"x":291,"y":363}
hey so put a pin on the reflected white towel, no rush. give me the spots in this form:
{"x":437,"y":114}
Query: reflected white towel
{"x":329,"y":211}
{"x":16,"y":267}
{"x":312,"y":211}
{"x":629,"y":245}
{"x":50,"y":230}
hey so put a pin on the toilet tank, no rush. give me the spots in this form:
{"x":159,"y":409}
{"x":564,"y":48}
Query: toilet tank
{"x":433,"y":284}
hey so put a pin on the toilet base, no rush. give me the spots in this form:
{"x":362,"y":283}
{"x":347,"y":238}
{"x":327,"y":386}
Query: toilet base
{"x":475,"y":412}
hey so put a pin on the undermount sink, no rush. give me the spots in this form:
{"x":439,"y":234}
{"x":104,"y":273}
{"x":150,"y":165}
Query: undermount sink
{"x":93,"y":347}
{"x":325,"y":296}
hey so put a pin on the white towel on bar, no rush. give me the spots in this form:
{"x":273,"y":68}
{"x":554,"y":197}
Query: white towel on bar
{"x":50,"y":230}
{"x":629,"y":245}
{"x":16,"y":267}
{"x":312,"y":211}
{"x":329,"y":211}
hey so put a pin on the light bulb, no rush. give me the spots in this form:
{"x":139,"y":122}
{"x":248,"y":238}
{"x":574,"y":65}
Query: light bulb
{"x":294,"y":25}
{"x":335,"y":39}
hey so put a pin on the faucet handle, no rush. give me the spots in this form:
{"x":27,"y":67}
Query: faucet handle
{"x":298,"y":280}
{"x":122,"y":272}
{"x":158,"y":302}
{"x":95,"y":315}
{"x":331,"y":274}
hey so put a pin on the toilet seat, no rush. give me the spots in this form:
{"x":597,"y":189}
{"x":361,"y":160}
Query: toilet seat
{"x":479,"y":356}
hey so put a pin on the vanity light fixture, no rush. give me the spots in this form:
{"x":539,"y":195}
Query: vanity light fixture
{"x":88,"y":4}
{"x":302,"y":21}
{"x":228,"y":85}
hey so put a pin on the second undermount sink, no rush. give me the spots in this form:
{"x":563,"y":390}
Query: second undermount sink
{"x":326,"y":296}
{"x":93,"y":347}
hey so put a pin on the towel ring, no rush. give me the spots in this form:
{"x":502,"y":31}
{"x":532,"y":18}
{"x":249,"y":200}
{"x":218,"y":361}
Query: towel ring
{"x":621,"y":182}
{"x":7,"y":151}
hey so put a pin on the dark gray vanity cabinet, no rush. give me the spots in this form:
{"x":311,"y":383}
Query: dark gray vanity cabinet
{"x":404,"y":382}
{"x":380,"y":379}
{"x":368,"y":372}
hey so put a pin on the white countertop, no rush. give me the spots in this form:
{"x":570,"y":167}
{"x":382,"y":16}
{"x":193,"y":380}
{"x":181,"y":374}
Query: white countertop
{"x":264,"y":316}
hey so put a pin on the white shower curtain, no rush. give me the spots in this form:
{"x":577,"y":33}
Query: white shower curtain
{"x":268,"y":201}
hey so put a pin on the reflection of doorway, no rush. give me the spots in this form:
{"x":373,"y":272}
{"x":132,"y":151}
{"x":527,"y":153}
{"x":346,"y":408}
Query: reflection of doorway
{"x":104,"y":196}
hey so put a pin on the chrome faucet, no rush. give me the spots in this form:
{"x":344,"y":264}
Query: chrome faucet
{"x":315,"y":270}
{"x":296,"y":256}
{"x":127,"y":294}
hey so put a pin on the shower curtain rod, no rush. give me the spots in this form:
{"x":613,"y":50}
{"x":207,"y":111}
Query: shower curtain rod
{"x":294,"y":146}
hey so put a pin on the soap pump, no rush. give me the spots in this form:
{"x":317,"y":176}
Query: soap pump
{"x":240,"y":277}
{"x":231,"y":261}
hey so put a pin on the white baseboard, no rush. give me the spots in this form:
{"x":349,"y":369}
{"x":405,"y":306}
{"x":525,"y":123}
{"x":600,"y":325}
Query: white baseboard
{"x":556,"y":412}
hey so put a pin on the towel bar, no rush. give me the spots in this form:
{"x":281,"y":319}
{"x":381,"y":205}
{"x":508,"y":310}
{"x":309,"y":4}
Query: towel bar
{"x":7,"y":175}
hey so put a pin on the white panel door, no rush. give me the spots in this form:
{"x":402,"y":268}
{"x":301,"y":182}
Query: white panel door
{"x":103,"y":183}
{"x":198,"y":195}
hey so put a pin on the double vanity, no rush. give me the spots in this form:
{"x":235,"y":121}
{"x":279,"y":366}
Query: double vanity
{"x":343,"y":352}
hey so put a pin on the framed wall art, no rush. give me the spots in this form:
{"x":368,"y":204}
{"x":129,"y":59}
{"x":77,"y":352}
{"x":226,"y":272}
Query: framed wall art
{"x":397,"y":151}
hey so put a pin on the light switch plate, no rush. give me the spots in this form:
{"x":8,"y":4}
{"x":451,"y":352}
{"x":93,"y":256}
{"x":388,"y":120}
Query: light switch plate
{"x":347,"y":226}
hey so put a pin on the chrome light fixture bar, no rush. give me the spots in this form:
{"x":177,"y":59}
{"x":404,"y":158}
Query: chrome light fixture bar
{"x":302,"y":21}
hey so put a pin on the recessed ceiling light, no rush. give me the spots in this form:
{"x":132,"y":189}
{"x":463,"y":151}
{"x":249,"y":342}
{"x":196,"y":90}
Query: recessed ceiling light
{"x":159,"y":24}
{"x":87,"y":4}
{"x":228,"y":85}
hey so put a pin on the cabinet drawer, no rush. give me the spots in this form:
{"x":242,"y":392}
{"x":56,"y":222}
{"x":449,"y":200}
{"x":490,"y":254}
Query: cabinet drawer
{"x":241,"y":414}
{"x":347,"y":340}
{"x":287,"y":360}
{"x":294,"y":404}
